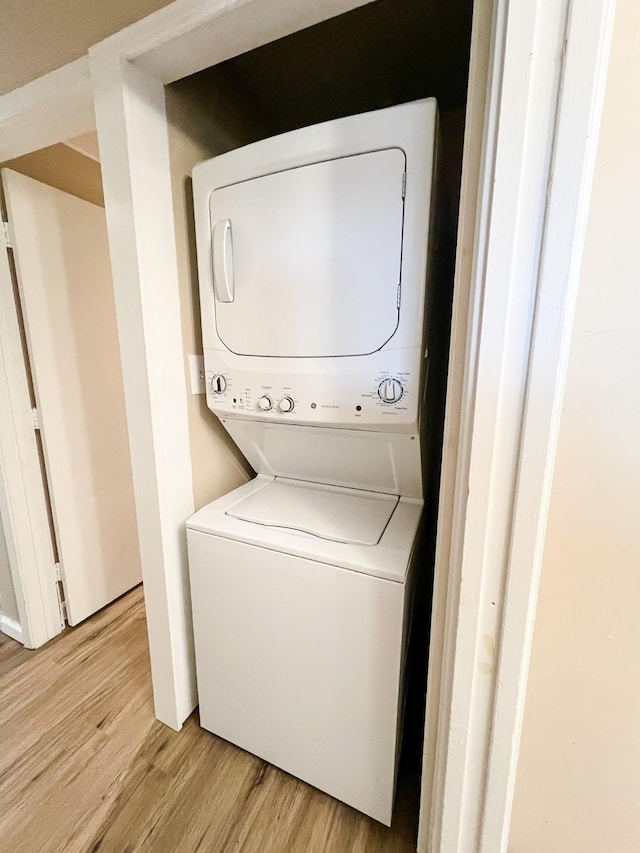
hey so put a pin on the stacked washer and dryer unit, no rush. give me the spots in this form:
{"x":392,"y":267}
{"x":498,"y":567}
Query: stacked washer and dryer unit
{"x":313,"y":258}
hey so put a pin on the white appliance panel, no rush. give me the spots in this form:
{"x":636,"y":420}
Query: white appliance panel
{"x":313,"y":261}
{"x":355,"y":398}
{"x":375,"y":461}
{"x":299,"y":663}
{"x":328,"y":512}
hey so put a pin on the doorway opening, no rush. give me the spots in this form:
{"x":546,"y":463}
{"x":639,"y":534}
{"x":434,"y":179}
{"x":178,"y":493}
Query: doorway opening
{"x":378,"y":55}
{"x":60,"y":294}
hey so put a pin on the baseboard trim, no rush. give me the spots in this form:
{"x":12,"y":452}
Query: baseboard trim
{"x":11,"y":628}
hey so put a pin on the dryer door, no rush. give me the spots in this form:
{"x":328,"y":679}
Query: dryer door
{"x":307,"y":262}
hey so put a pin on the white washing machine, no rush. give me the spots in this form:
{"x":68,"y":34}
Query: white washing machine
{"x":313,"y":258}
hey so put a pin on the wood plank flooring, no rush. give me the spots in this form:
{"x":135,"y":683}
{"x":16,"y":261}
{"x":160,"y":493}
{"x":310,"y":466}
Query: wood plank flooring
{"x":85,"y":767}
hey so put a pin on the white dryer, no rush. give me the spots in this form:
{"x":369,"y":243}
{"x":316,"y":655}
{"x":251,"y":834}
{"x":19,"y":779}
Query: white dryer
{"x":313,"y":252}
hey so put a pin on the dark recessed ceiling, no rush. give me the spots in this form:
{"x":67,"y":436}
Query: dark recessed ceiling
{"x":383,"y":53}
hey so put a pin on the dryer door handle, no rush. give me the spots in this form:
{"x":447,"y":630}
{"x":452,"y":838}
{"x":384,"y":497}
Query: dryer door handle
{"x":223,"y":261}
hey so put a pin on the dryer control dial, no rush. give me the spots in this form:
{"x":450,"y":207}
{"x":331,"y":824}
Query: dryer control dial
{"x":265,"y":403}
{"x":286,"y":404}
{"x":390,"y":390}
{"x":218,"y":383}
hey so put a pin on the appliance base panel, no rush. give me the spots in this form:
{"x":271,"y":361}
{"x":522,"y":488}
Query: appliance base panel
{"x":299,"y":663}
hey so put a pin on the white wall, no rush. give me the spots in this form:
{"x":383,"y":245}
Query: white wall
{"x":578,"y":781}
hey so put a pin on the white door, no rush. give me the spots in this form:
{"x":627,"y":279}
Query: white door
{"x":295,"y":279}
{"x":64,"y":277}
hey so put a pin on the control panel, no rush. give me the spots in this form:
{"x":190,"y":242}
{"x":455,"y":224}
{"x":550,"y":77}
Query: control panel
{"x":347,"y":398}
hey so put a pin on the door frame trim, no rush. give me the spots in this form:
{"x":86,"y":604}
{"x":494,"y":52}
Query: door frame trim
{"x":499,"y":465}
{"x":488,"y":561}
{"x":53,"y":108}
{"x":12,"y":629}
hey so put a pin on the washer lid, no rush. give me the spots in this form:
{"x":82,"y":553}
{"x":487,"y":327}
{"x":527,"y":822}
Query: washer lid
{"x":327,"y":512}
{"x":389,"y":558}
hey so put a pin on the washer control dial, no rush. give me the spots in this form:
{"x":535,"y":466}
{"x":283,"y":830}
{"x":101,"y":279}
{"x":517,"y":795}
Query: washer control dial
{"x":265,"y":403}
{"x":218,"y":383}
{"x":390,"y":390}
{"x":286,"y":404}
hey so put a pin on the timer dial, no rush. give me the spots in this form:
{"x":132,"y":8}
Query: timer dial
{"x":390,"y":390}
{"x":265,"y":403}
{"x":218,"y":383}
{"x":286,"y":404}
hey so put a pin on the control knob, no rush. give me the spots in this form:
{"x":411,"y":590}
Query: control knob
{"x":218,"y":383}
{"x":390,"y":390}
{"x":265,"y":403}
{"x":286,"y":404}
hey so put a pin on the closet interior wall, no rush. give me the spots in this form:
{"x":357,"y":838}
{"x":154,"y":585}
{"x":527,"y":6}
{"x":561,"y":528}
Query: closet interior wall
{"x":203,"y":121}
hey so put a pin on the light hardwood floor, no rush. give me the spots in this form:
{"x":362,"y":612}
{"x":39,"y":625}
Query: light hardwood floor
{"x":85,"y":767}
